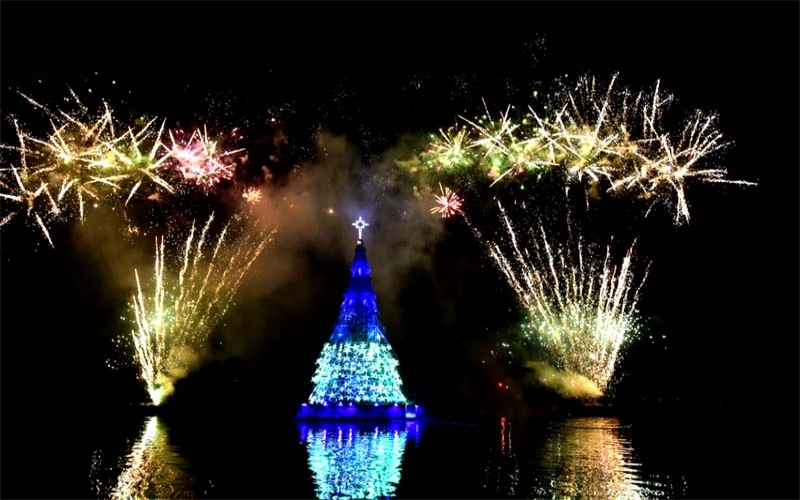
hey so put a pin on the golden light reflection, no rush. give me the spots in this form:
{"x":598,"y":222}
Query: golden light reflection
{"x":153,"y":468}
{"x":590,"y":457}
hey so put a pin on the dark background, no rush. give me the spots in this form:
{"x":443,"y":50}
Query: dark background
{"x":722,"y":290}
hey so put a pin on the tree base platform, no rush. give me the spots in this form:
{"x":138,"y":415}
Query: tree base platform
{"x":350,"y":411}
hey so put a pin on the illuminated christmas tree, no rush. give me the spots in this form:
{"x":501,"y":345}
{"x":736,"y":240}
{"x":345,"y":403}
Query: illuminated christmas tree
{"x":357,"y":372}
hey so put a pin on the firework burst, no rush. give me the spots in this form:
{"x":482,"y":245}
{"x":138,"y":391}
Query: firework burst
{"x":580,"y":305}
{"x":447,"y":203}
{"x":199,"y":159}
{"x":598,"y":136}
{"x":252,"y":195}
{"x":185,"y":303}
{"x":89,"y":159}
{"x":86,"y":158}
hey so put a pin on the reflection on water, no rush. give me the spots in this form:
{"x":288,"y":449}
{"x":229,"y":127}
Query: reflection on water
{"x":592,"y":457}
{"x":356,"y":460}
{"x":152,"y":468}
{"x":586,"y":457}
{"x":502,"y":473}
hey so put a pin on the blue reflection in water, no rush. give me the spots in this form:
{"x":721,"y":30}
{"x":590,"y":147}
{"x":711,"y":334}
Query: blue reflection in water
{"x":151,"y":469}
{"x":356,"y":460}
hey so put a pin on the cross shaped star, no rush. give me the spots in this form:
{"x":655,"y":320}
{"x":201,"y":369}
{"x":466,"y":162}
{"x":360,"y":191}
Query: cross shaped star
{"x":360,"y":224}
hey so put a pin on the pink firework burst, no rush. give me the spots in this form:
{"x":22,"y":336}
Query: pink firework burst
{"x":199,"y":160}
{"x":447,"y":203}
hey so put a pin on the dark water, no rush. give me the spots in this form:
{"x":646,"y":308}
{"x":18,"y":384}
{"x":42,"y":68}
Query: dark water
{"x":245,"y":455}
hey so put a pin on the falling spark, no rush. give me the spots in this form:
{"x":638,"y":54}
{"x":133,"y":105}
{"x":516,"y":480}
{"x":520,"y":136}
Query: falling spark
{"x":581,"y":307}
{"x":174,"y":319}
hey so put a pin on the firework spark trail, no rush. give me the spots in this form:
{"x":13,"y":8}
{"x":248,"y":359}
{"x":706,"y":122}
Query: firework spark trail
{"x":174,"y":320}
{"x":581,"y":307}
{"x":594,"y":135}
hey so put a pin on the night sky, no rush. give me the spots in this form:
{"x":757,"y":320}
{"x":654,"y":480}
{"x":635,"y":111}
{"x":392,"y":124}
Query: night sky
{"x":721,"y":299}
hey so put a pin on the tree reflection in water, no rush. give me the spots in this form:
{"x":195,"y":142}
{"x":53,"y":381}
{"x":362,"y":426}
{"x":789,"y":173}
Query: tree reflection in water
{"x":356,"y":460}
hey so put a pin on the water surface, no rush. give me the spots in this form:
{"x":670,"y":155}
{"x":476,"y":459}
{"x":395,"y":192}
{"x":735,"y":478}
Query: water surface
{"x":241,"y":455}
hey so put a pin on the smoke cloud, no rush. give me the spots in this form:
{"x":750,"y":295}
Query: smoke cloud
{"x":107,"y":242}
{"x":568,"y":385}
{"x":313,"y":208}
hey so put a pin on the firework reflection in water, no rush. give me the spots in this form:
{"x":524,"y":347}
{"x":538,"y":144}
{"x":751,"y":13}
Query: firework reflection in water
{"x":152,"y":468}
{"x":185,"y":304}
{"x":591,"y":457}
{"x":502,"y":473}
{"x":580,"y":306}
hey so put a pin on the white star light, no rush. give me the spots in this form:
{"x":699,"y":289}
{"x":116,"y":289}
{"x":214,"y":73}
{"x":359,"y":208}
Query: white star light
{"x":360,"y":224}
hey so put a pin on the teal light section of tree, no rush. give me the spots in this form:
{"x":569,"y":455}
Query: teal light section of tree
{"x":357,"y":364}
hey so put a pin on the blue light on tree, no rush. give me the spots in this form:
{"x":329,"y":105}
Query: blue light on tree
{"x":357,"y":372}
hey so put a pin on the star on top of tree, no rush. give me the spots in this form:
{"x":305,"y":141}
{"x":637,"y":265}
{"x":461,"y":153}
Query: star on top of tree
{"x":360,"y":224}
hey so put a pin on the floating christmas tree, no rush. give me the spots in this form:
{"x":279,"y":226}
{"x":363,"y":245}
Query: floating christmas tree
{"x":357,"y":372}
